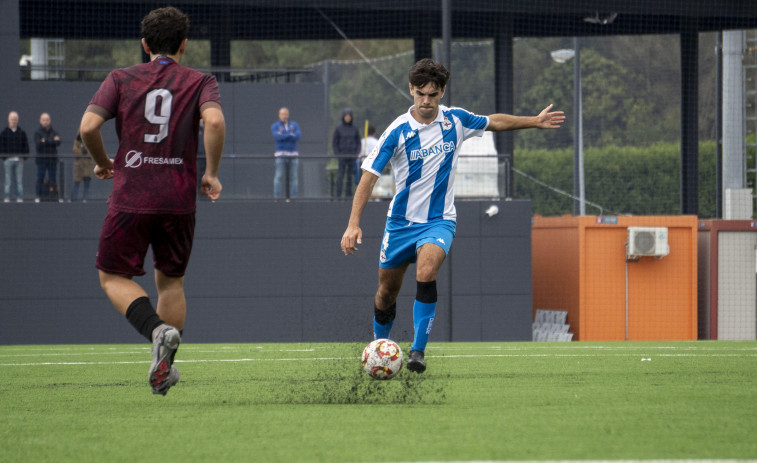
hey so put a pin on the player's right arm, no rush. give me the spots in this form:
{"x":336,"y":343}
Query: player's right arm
{"x":90,"y":126}
{"x":354,"y":235}
{"x":214,"y":139}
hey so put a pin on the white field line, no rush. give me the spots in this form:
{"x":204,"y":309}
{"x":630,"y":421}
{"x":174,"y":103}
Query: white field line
{"x":100,"y":350}
{"x":591,"y":461}
{"x":449,"y":356}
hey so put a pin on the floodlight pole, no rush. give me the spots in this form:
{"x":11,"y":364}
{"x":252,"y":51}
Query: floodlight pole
{"x":579,"y":191}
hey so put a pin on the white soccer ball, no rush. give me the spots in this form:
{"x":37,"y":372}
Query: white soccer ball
{"x":382,"y":359}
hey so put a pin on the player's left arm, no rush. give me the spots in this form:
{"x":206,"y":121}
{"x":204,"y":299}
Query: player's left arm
{"x":546,"y":119}
{"x":91,"y":123}
{"x":214,"y":140}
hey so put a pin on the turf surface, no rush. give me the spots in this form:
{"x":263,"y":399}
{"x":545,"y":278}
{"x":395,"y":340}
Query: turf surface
{"x":312,"y":402}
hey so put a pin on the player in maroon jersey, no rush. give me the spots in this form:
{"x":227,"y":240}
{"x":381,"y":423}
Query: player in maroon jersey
{"x":157,"y":107}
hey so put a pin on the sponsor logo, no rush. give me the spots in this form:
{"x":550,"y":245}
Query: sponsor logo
{"x":446,"y":124}
{"x":135,"y":159}
{"x":384,"y":247}
{"x":374,"y":153}
{"x":442,"y":148}
{"x":430,"y":324}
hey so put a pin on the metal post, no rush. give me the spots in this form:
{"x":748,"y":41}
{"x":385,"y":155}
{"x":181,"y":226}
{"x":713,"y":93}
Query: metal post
{"x":579,"y":207}
{"x":446,"y":57}
{"x":719,"y":130}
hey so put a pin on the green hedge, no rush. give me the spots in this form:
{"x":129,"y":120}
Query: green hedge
{"x":621,"y":179}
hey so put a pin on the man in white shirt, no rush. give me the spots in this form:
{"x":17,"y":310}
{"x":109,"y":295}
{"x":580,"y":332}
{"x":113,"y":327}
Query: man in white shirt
{"x":366,"y":146}
{"x":422,"y":146}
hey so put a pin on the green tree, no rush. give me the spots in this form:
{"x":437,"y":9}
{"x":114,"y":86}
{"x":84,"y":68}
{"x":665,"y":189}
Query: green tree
{"x":612,"y":113}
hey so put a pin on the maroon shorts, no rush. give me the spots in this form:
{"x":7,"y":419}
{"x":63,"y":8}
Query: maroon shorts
{"x":125,"y":237}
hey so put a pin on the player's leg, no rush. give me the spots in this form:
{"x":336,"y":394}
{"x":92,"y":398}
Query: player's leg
{"x":171,"y":238}
{"x":385,"y":301}
{"x":131,"y":300}
{"x":430,"y":259}
{"x":124,"y":241}
{"x":120,"y":257}
{"x":433,"y":246}
{"x":172,"y":310}
{"x":172,"y":303}
{"x":397,"y":252}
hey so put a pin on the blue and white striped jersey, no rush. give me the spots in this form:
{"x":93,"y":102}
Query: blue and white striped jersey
{"x":424,"y":160}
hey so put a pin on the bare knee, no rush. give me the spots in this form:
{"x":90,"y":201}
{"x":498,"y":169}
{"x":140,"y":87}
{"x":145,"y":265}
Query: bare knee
{"x":166,"y":283}
{"x":385,"y":298}
{"x":426,"y":273}
{"x":108,"y":281}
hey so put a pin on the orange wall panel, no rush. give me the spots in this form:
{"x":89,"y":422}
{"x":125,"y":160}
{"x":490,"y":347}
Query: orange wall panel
{"x":604,"y":302}
{"x":558,"y":276}
{"x":580,"y":266}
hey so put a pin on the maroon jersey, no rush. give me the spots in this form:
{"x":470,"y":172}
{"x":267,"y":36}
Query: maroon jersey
{"x":157,"y":111}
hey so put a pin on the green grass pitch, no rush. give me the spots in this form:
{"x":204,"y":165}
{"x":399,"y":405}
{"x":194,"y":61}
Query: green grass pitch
{"x":313,"y":403}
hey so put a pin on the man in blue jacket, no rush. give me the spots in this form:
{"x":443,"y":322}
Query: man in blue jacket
{"x":346,"y":144}
{"x":286,"y":133}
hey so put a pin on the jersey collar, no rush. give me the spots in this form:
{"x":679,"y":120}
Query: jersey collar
{"x":415,"y":125}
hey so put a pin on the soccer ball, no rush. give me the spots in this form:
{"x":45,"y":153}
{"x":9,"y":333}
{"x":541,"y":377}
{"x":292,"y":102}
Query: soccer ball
{"x":382,"y":359}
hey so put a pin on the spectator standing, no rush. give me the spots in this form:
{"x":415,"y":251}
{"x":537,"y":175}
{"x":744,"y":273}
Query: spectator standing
{"x":46,"y":141}
{"x":83,"y":166}
{"x":346,"y":144}
{"x":14,"y":148}
{"x":286,"y":133}
{"x":366,"y":146}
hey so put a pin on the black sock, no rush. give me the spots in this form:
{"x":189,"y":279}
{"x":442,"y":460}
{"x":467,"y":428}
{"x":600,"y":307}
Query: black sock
{"x":143,"y":317}
{"x":383,"y":317}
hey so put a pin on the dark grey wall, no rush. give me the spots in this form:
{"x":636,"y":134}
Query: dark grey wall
{"x":250,"y":109}
{"x":263,"y":271}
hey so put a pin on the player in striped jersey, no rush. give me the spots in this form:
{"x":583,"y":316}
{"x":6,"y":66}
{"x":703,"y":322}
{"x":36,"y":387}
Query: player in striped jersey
{"x":422,"y":146}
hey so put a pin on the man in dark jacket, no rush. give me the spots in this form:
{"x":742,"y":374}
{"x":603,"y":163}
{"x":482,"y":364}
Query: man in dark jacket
{"x":14,"y":147}
{"x":346,"y":144}
{"x":46,"y":140}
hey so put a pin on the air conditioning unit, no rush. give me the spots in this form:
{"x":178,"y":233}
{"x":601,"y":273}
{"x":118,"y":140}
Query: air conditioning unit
{"x":647,"y":241}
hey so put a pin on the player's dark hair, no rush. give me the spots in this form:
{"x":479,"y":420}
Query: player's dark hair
{"x":164,"y":29}
{"x":428,"y":70}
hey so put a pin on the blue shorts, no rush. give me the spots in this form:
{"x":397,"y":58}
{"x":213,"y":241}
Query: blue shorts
{"x":403,"y":238}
